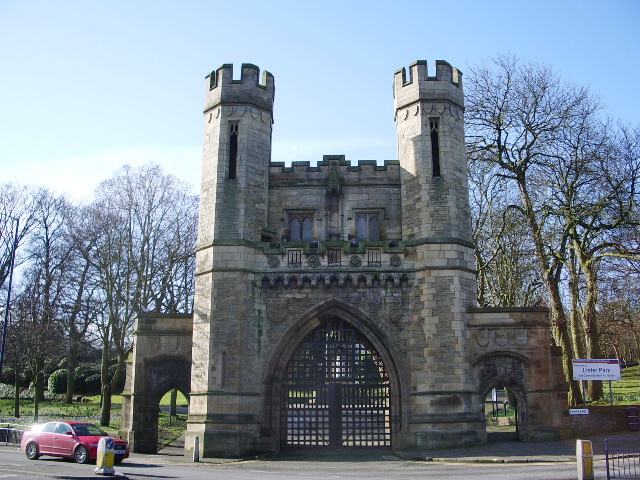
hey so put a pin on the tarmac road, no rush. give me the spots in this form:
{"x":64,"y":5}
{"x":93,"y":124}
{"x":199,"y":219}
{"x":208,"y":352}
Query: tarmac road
{"x":15,"y":465}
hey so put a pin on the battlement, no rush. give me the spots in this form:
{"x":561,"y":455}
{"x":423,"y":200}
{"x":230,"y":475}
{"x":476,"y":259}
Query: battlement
{"x":365,"y":172}
{"x":249,"y":90}
{"x":446,"y":85}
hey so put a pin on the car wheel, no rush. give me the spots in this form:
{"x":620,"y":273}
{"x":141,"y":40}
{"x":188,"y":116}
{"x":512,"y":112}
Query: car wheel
{"x":81,"y":455}
{"x":32,"y":451}
{"x":118,"y":461}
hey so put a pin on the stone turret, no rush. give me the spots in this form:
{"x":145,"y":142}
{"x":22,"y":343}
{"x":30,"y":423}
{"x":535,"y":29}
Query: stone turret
{"x":233,"y":212}
{"x":431,"y":149}
{"x":237,"y":151}
{"x":436,"y":221}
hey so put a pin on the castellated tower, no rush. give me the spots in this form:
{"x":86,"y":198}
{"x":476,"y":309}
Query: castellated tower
{"x":436,"y":221}
{"x":233,"y":209}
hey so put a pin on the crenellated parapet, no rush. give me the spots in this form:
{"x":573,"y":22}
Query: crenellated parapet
{"x":367,"y":171}
{"x":445,"y":86}
{"x":222,"y":89}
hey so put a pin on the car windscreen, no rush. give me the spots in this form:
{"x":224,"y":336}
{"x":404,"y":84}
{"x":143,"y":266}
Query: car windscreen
{"x":88,"y":429}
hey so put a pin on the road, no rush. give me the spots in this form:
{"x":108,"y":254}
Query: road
{"x":14,"y":465}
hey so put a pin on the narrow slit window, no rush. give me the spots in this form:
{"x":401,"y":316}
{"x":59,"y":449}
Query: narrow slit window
{"x":223,"y":380}
{"x":435,"y":146}
{"x":233,"y":151}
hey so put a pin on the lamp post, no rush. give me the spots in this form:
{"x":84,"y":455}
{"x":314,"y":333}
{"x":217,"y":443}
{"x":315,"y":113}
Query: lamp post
{"x":14,"y":246}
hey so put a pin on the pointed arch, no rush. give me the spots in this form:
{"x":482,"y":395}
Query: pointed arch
{"x":300,"y":329}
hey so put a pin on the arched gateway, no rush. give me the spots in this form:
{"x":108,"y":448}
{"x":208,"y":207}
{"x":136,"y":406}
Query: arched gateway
{"x":335,"y":304}
{"x":335,"y":392}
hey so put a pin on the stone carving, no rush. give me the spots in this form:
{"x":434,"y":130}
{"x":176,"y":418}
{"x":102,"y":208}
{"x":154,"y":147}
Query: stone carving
{"x":273,"y":261}
{"x":395,"y":260}
{"x":355,"y":261}
{"x":521,"y":336}
{"x":393,"y":308}
{"x":483,"y":336}
{"x":501,"y":367}
{"x":277,"y":309}
{"x":501,"y":337}
{"x":314,"y":262}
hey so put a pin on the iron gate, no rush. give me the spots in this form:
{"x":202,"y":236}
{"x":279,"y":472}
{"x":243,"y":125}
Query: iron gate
{"x":336,"y":391}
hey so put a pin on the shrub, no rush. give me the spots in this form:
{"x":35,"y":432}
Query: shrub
{"x":92,"y":384}
{"x":58,"y":381}
{"x":7,"y":391}
{"x":9,"y":377}
{"x":85,"y":382}
{"x":27,"y":394}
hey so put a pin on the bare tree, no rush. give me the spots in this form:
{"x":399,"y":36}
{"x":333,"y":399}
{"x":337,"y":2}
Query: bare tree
{"x":78,"y":311}
{"x":145,"y":225}
{"x":516,"y":114}
{"x":40,"y":341}
{"x":507,"y":273}
{"x":17,"y":210}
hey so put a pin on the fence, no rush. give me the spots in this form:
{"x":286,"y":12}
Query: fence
{"x":12,"y":434}
{"x":623,"y":458}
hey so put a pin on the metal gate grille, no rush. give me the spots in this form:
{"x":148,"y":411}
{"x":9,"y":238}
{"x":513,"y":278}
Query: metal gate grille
{"x":335,"y":392}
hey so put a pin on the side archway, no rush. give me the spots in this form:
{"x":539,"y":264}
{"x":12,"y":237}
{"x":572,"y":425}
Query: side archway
{"x":162,"y":375}
{"x":160,"y":361}
{"x":506,"y":370}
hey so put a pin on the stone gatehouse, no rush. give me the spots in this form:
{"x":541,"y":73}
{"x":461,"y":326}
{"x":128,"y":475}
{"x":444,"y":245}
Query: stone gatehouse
{"x":335,"y":304}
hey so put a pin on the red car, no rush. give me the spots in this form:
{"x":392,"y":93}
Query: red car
{"x":77,"y":440}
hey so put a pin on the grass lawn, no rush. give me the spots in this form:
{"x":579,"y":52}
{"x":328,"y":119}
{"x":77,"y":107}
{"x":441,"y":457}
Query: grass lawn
{"x":181,"y":400}
{"x":90,"y":412}
{"x":625,"y":391}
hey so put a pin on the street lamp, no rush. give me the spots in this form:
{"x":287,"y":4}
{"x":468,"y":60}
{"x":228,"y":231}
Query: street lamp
{"x":14,"y":246}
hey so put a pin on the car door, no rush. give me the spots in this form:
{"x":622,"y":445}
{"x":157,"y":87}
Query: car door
{"x":45,"y":438}
{"x":63,"y":440}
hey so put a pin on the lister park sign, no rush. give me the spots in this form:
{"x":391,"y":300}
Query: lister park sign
{"x":596,"y":369}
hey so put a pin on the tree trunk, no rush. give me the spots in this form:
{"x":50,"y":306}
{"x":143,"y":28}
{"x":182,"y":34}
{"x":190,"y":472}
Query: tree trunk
{"x":589,"y":316}
{"x":558,"y":316}
{"x":105,"y":408}
{"x":36,"y":399}
{"x":574,"y":290}
{"x":71,"y":374}
{"x":172,"y":408}
{"x":16,"y":396}
{"x":70,"y":385}
{"x":105,"y":388}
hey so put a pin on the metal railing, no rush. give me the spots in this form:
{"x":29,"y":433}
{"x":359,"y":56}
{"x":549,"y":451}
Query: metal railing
{"x":623,"y":458}
{"x":12,"y":434}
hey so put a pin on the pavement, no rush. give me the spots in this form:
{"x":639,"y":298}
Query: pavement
{"x":492,"y":452}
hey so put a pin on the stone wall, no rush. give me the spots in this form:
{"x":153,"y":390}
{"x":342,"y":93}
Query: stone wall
{"x":601,"y":419}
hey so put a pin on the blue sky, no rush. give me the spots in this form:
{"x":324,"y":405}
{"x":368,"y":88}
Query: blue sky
{"x":87,"y":86}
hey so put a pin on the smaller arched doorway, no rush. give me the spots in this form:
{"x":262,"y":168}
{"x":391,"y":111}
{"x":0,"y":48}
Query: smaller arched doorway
{"x":161,"y":376}
{"x":503,"y":396}
{"x":335,"y":391}
{"x":501,"y":414}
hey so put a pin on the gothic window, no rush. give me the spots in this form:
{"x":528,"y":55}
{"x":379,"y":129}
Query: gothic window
{"x":233,"y":150}
{"x":368,"y":226}
{"x":435,"y":146}
{"x":300,"y":227}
